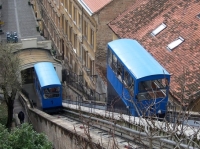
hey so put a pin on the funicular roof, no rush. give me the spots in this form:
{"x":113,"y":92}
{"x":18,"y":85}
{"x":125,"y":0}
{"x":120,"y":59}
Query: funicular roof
{"x":46,"y":74}
{"x":136,"y":58}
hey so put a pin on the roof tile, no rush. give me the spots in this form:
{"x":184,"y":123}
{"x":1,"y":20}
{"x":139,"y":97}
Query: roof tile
{"x":181,"y":19}
{"x":96,"y":5}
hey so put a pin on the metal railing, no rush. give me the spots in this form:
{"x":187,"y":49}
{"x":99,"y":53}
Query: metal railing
{"x":76,"y":81}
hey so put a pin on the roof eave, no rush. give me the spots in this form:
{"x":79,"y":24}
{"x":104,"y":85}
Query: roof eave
{"x":89,"y":11}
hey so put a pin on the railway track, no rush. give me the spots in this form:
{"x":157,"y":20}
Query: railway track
{"x":107,"y":127}
{"x":98,"y":130}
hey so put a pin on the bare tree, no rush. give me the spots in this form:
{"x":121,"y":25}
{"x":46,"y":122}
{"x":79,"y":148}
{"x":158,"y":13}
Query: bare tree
{"x":175,"y":126}
{"x":173,"y":131}
{"x":9,"y":77}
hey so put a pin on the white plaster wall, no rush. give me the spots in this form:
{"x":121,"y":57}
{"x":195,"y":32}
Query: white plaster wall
{"x":29,"y":43}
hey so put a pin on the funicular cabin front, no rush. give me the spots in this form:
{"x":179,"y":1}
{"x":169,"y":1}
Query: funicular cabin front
{"x":136,"y":81}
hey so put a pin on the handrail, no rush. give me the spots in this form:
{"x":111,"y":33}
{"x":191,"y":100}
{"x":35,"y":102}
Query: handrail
{"x":75,"y":81}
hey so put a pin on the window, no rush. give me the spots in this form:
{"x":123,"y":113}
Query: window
{"x":62,"y":23}
{"x":56,"y":2}
{"x":66,"y":27}
{"x":70,"y":34}
{"x":39,"y":87}
{"x":92,"y":37}
{"x":66,"y":4}
{"x":198,"y":16}
{"x":75,"y":68}
{"x":158,"y":29}
{"x":51,"y":92}
{"x":175,"y":43}
{"x":74,"y":15}
{"x":92,"y":67}
{"x":114,"y":63}
{"x":120,"y":70}
{"x":109,"y":57}
{"x":71,"y":58}
{"x":75,"y":41}
{"x":54,"y":16}
{"x":128,"y":82}
{"x":70,"y":8}
{"x":152,"y":89}
{"x":66,"y":51}
{"x":58,"y":43}
{"x":79,"y":21}
{"x":42,"y":13}
{"x":58,"y":18}
{"x":85,"y":28}
{"x":80,"y":52}
{"x":84,"y":53}
{"x":86,"y":58}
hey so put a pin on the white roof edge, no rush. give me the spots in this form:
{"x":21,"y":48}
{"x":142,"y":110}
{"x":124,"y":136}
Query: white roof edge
{"x":83,"y":4}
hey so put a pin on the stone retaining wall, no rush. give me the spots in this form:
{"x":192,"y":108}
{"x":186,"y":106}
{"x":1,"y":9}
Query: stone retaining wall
{"x":58,"y":131}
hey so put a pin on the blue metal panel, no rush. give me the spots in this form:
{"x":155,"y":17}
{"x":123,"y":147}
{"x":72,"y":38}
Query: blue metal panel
{"x":51,"y":103}
{"x":121,"y":91}
{"x":46,"y":74}
{"x":139,"y":62}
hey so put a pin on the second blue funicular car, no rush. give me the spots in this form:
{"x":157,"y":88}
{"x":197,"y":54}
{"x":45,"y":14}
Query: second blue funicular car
{"x":136,"y":81}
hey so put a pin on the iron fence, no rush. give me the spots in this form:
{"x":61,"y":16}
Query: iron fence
{"x":76,"y":81}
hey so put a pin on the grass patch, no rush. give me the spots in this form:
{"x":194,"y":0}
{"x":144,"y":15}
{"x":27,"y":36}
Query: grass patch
{"x":3,"y":112}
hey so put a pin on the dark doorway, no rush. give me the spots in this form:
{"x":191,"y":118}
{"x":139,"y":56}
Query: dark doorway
{"x":28,"y":75}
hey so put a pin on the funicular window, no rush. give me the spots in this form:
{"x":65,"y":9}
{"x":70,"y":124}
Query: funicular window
{"x":117,"y":66}
{"x":119,"y":70}
{"x":114,"y":63}
{"x":152,"y":89}
{"x":51,"y":92}
{"x":38,"y":86}
{"x":128,"y":82}
{"x":109,"y":57}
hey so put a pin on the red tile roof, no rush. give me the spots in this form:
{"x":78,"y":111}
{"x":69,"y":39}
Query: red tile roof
{"x":180,"y":16}
{"x":95,"y":5}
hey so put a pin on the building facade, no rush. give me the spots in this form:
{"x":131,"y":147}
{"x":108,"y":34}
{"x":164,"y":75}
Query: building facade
{"x":79,"y":31}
